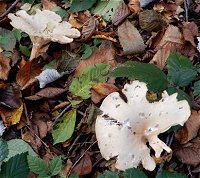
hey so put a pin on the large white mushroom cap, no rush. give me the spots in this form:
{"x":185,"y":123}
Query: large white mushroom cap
{"x":45,"y":24}
{"x":124,"y":128}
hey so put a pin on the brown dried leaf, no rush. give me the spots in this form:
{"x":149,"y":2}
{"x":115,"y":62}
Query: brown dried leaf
{"x":48,"y":4}
{"x":121,"y":13}
{"x":190,"y":30}
{"x":3,"y":6}
{"x":49,"y":92}
{"x":134,"y":6}
{"x":171,"y":41}
{"x":84,"y":166}
{"x":130,"y":39}
{"x":190,"y":129}
{"x":4,"y":67}
{"x":26,"y":75}
{"x":101,"y":90}
{"x":104,"y":54}
{"x":89,"y":28}
{"x":190,"y":153}
{"x":10,"y":96}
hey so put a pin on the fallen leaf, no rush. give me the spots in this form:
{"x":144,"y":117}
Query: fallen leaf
{"x":101,"y":90}
{"x":105,"y":37}
{"x":10,"y":96}
{"x":3,"y":7}
{"x":190,"y":30}
{"x":4,"y":67}
{"x":11,"y":117}
{"x":26,"y":75}
{"x":48,"y":5}
{"x":49,"y":92}
{"x":88,"y":29}
{"x":190,"y":153}
{"x":190,"y":129}
{"x":121,"y":13}
{"x":134,"y":6}
{"x":84,"y":166}
{"x":104,"y":54}
{"x":171,"y":41}
{"x":130,"y":39}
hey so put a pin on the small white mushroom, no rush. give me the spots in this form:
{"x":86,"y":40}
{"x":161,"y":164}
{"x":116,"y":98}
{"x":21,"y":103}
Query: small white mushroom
{"x":124,"y":128}
{"x":2,"y":128}
{"x":43,"y":27}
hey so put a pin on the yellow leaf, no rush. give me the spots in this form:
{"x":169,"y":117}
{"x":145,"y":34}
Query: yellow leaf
{"x":16,"y":115}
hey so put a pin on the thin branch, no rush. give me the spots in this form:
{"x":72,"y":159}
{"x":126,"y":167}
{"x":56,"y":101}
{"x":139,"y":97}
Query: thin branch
{"x":9,"y":9}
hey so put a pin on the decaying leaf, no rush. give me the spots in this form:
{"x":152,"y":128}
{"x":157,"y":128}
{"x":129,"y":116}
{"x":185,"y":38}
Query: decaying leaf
{"x":11,"y":117}
{"x":134,"y":6}
{"x":190,"y":30}
{"x":171,"y":41}
{"x":121,"y":13}
{"x":101,"y":90}
{"x":49,"y":92}
{"x":130,"y":39}
{"x":190,"y":153}
{"x":84,"y":166}
{"x":10,"y":96}
{"x":4,"y":67}
{"x":123,"y":128}
{"x":26,"y":75}
{"x":144,"y":3}
{"x":190,"y":129}
{"x":104,"y":54}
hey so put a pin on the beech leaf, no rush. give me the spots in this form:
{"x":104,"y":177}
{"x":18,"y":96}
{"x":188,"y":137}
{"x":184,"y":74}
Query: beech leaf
{"x":64,"y":128}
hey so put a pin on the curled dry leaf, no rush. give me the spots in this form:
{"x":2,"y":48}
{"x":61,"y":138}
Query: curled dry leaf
{"x":104,"y":54}
{"x":49,"y":92}
{"x":10,"y":96}
{"x":101,"y":90}
{"x":123,"y":128}
{"x":4,"y":67}
{"x":89,"y":28}
{"x":190,"y":153}
{"x":190,"y":30}
{"x":171,"y":41}
{"x":121,"y":13}
{"x":84,"y":166}
{"x":26,"y":75}
{"x":190,"y":129}
{"x":134,"y":6}
{"x":130,"y":39}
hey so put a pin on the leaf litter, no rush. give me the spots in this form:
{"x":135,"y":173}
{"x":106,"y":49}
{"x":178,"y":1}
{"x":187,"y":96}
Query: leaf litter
{"x":50,"y":93}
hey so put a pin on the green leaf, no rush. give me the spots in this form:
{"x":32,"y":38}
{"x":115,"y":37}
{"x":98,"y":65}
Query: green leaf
{"x":80,"y":5}
{"x":60,"y":11}
{"x":24,"y":50}
{"x":106,"y":9}
{"x":17,"y":146}
{"x":87,"y":51}
{"x":16,"y":167}
{"x":28,"y":1}
{"x":81,"y":85}
{"x":133,"y":172}
{"x":180,"y":69}
{"x":3,"y":149}
{"x":7,"y":39}
{"x":55,"y":165}
{"x":74,"y":175}
{"x":181,"y":94}
{"x":196,"y":91}
{"x":18,"y":34}
{"x":166,"y":174}
{"x":156,"y":80}
{"x":38,"y":166}
{"x":109,"y":174}
{"x":64,"y":128}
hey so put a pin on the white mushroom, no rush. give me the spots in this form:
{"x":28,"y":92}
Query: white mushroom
{"x":43,"y":27}
{"x":2,"y":128}
{"x":124,"y":128}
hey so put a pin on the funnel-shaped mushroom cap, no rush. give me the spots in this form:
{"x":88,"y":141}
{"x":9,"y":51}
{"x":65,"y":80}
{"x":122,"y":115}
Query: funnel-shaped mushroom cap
{"x":124,"y":128}
{"x":44,"y":24}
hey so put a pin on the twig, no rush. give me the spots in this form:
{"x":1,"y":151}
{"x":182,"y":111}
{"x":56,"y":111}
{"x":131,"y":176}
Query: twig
{"x":186,"y":10}
{"x":168,"y":143}
{"x":72,"y":146}
{"x":9,"y":9}
{"x":80,"y":158}
{"x":62,"y":113}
